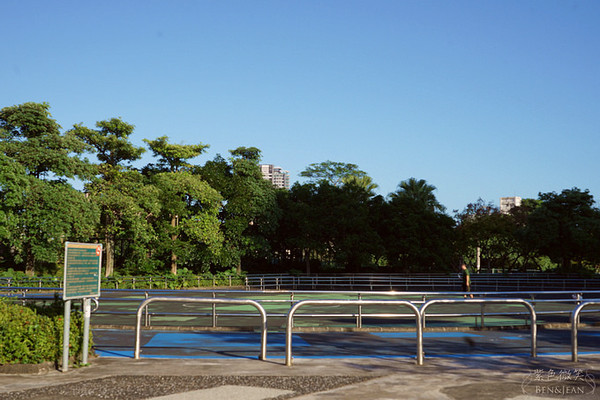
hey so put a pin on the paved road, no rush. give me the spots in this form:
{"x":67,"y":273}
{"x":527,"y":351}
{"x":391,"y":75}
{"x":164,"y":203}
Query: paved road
{"x":489,"y":378}
{"x":189,"y":365}
{"x":331,"y":345}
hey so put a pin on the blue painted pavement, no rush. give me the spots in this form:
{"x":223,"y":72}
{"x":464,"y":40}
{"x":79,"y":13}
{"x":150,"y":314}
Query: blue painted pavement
{"x":218,"y":345}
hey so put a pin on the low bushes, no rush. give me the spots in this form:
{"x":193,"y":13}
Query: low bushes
{"x":185,"y":279}
{"x":33,"y":334}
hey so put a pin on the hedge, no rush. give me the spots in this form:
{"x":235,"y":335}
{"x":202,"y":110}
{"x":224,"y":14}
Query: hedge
{"x":34,"y":334}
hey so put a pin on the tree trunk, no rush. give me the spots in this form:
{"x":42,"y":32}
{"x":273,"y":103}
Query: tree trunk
{"x":109,"y":264}
{"x":29,"y":261}
{"x":174,"y":223}
{"x":307,"y":260}
{"x":109,"y":243}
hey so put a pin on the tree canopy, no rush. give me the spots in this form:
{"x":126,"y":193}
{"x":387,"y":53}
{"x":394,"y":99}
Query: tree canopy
{"x":177,"y":214}
{"x":332,"y":172}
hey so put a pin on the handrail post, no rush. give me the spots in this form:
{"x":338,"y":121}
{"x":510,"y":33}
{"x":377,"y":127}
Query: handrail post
{"x":214,"y":311}
{"x":574,"y":323}
{"x":359,"y":316}
{"x":482,"y":315}
{"x":147,"y":315}
{"x":578,"y":303}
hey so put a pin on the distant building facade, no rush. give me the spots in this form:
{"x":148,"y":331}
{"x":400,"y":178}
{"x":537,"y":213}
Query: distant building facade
{"x":507,"y":203}
{"x":279,"y":177}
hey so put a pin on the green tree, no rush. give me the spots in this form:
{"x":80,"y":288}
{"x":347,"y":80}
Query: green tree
{"x":525,"y":242}
{"x":417,"y":236}
{"x":43,"y":210}
{"x":174,"y":157}
{"x":365,"y":182}
{"x":32,"y":138}
{"x":298,"y":238}
{"x":118,"y":190}
{"x":346,"y":232}
{"x":187,"y":200}
{"x":487,"y":236}
{"x":111,"y":143}
{"x":332,"y":172}
{"x":250,"y":213}
{"x":566,"y":228}
{"x":190,"y":231}
{"x":327,"y":227}
{"x":420,"y":192}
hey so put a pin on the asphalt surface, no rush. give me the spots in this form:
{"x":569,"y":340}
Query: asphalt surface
{"x":360,"y":345}
{"x":493,"y":378}
{"x":327,"y":365}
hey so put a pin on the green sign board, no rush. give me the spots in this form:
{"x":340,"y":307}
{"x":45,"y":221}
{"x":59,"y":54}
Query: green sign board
{"x":83,"y":264}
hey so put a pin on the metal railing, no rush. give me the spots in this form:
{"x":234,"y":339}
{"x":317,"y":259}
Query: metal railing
{"x":536,"y":298}
{"x":582,"y":299}
{"x":532,"y":312}
{"x":424,"y":282}
{"x":145,"y":303}
{"x":360,"y":303}
{"x":436,"y":281}
{"x":547,"y":303}
{"x":141,"y":282}
{"x":574,"y":323}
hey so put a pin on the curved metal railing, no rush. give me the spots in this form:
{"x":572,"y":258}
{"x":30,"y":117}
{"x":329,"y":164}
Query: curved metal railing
{"x":574,"y":323}
{"x":360,"y":303}
{"x":145,"y":303}
{"x":525,"y":303}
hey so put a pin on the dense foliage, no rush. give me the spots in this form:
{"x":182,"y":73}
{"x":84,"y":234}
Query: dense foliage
{"x":32,"y":335}
{"x":177,"y":215}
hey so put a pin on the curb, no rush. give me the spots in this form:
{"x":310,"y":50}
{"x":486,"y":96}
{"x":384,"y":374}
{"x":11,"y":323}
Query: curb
{"x":18,"y":369}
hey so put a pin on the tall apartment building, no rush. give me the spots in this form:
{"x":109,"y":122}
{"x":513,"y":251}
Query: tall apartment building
{"x":506,"y":203}
{"x":279,"y":177}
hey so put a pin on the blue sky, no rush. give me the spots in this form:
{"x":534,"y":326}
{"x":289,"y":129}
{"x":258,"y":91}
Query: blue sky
{"x":479,"y":98}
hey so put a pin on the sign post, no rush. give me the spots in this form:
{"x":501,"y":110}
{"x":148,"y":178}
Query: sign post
{"x":83,"y":266}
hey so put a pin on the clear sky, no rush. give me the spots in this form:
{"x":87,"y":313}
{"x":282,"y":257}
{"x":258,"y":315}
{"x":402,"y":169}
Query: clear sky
{"x":479,"y":98}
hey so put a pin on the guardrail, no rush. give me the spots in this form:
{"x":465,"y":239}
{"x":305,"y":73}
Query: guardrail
{"x":574,"y":323}
{"x":532,"y":312}
{"x":360,"y":303}
{"x":141,"y":282}
{"x":436,"y":281}
{"x":537,"y":298}
{"x":577,"y":297}
{"x":415,"y":282}
{"x":145,"y":303}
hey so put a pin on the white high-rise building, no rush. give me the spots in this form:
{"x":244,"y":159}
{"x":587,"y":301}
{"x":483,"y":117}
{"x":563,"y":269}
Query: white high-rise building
{"x":507,"y":203}
{"x":279,"y":177}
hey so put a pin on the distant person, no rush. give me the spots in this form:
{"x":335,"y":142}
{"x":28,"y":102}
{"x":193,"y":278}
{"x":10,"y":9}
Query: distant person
{"x":466,"y":279}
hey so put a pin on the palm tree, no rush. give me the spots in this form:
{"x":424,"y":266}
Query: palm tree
{"x":365,"y":182}
{"x":418,"y":191}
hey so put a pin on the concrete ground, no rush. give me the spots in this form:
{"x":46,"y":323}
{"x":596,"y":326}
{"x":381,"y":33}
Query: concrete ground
{"x":493,"y":378}
{"x":327,"y":366}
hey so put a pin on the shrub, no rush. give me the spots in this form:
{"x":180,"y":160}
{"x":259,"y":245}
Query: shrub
{"x":32,"y":335}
